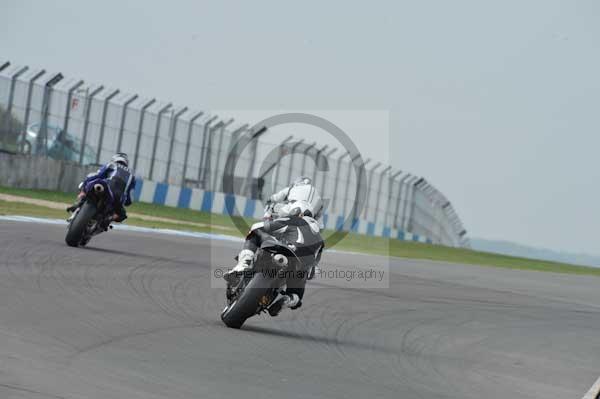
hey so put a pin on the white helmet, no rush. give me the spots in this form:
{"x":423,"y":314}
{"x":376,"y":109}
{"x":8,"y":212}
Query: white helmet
{"x":304,"y":190}
{"x":120,"y":157}
{"x":303,"y":180}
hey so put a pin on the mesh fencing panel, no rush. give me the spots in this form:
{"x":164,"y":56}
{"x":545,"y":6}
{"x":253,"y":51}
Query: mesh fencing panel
{"x":173,"y":150}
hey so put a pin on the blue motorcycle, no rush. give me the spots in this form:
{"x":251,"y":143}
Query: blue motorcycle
{"x":94,"y":214}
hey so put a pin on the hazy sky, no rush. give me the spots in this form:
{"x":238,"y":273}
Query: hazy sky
{"x":496,"y":103}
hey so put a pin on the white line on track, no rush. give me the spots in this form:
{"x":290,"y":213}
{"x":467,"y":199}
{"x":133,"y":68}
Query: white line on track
{"x":182,"y":233}
{"x":194,"y":234}
{"x":594,"y":391}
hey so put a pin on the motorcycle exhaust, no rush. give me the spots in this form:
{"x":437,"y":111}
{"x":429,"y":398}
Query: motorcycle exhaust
{"x":280,"y":260}
{"x":99,"y":188}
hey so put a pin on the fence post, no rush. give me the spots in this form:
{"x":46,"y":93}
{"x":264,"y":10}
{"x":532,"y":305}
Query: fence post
{"x":45,"y":107}
{"x":407,"y":203}
{"x":205,"y":134}
{"x":123,"y":118}
{"x":399,"y":200}
{"x":11,"y":94}
{"x":172,"y":130}
{"x":233,"y":144}
{"x":404,"y":219}
{"x":388,"y":220}
{"x":389,"y":200}
{"x":381,"y":176}
{"x":292,"y":156}
{"x":103,"y":123}
{"x":369,"y":186}
{"x":156,"y":133}
{"x":413,"y":203}
{"x":28,"y":105}
{"x":281,"y":155}
{"x":436,"y":225}
{"x":324,"y":179}
{"x":233,"y":151}
{"x":68,"y":107}
{"x":358,"y":184}
{"x":187,"y":146}
{"x":215,"y":180}
{"x":337,"y":179}
{"x":139,"y":135}
{"x":447,"y":223}
{"x":266,"y":171}
{"x":206,"y":170}
{"x":254,"y":139}
{"x":429,"y":211}
{"x":305,"y":155}
{"x":317,"y":158}
{"x":86,"y":123}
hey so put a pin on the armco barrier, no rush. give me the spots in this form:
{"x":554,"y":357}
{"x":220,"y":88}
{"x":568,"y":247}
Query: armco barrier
{"x":229,"y":204}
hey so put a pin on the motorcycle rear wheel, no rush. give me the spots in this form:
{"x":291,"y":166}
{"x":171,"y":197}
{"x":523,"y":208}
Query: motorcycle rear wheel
{"x":79,"y":224}
{"x":247,"y":304}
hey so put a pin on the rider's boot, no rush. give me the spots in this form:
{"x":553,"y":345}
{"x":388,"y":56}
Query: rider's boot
{"x":283,"y":302}
{"x":245,"y":263}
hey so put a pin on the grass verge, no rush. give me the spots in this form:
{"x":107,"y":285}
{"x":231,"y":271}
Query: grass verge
{"x":17,"y":208}
{"x":186,"y":215}
{"x":352,"y":242}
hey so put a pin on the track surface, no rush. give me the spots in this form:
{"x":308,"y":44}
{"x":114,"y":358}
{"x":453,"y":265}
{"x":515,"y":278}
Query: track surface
{"x":134,"y":316}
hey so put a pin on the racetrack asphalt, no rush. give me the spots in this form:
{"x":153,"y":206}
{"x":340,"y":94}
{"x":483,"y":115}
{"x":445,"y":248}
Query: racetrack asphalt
{"x":134,"y":316}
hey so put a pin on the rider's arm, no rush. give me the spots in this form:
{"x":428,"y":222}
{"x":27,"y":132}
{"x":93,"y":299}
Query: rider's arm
{"x":280,"y":195}
{"x":100,"y":174}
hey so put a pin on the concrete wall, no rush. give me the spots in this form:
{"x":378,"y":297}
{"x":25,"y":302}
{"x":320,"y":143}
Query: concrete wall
{"x":23,"y":171}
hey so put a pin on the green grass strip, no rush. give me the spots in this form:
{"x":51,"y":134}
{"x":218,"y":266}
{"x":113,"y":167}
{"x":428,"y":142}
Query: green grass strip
{"x":352,"y":242}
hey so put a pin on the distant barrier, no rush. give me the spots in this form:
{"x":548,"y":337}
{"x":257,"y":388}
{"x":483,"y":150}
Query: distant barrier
{"x":36,"y":172}
{"x":237,"y":205}
{"x":64,"y":118}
